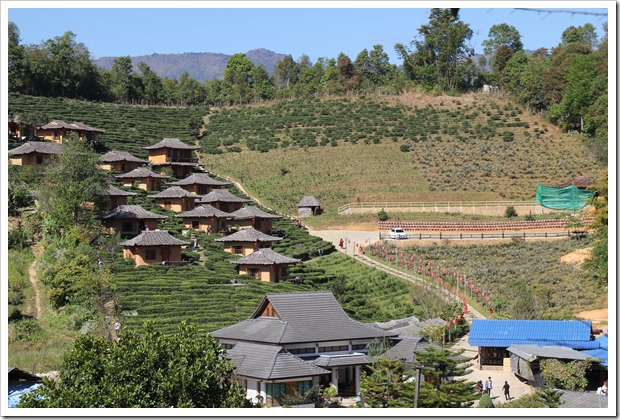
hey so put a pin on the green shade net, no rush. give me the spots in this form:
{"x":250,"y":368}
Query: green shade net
{"x":563,"y":198}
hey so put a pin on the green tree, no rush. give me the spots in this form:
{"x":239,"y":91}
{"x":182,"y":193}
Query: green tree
{"x":598,"y":263}
{"x":16,"y":59}
{"x":502,"y":34}
{"x":238,"y":78}
{"x":565,"y":375}
{"x":151,"y":82}
{"x":585,"y":34}
{"x":145,"y":370}
{"x":383,"y":385}
{"x":73,"y":185}
{"x":286,"y":73}
{"x":439,"y":52}
{"x":123,"y":80}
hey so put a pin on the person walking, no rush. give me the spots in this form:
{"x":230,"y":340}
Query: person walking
{"x":488,"y":386}
{"x":341,"y":243}
{"x":506,"y":389}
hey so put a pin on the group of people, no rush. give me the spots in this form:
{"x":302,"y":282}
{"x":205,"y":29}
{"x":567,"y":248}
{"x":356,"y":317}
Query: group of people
{"x":487,"y":387}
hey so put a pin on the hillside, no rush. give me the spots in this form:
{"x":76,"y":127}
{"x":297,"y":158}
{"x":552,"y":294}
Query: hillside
{"x":199,"y":66}
{"x":414,"y":147}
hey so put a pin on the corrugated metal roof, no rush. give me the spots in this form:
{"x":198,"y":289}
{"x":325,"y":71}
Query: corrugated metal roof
{"x":175,"y":192}
{"x":252,"y":212}
{"x":505,"y":333}
{"x":530,"y":352}
{"x":154,"y":238}
{"x":249,"y":235}
{"x":131,"y":211}
{"x":199,"y":178}
{"x":120,"y":156}
{"x":142,"y":173}
{"x":112,"y":190}
{"x":172,"y":143}
{"x":265,"y":256}
{"x":204,"y":210}
{"x":43,"y":147}
{"x":308,"y":201}
{"x":602,"y":354}
{"x":222,"y":195}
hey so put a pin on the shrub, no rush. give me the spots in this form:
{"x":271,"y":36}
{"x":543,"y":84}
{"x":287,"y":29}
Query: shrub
{"x":405,"y":148}
{"x":486,"y":402}
{"x":383,"y":216}
{"x":510,"y":212}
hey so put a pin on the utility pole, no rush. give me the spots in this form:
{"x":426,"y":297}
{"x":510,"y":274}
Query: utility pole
{"x":416,"y":398}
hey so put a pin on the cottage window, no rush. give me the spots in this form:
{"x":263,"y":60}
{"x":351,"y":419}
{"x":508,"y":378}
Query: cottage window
{"x":151,"y":254}
{"x":238,"y":249}
{"x":328,"y":349}
{"x":39,"y":160}
{"x":254,"y":272}
{"x":56,"y":135}
{"x":167,"y":204}
{"x":127,"y":227}
{"x":195,"y":224}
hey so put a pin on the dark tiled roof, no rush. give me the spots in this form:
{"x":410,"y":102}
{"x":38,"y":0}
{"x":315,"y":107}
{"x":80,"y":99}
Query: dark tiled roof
{"x":530,"y":352}
{"x":251,"y":212}
{"x":572,"y":399}
{"x":120,"y":156}
{"x":351,"y":359}
{"x":224,"y":196}
{"x":132,"y":211}
{"x":508,"y":332}
{"x":142,"y":173}
{"x":199,"y":178}
{"x":112,"y":190}
{"x":270,"y":362}
{"x":410,"y":326}
{"x":172,"y":143}
{"x":174,"y":164}
{"x":204,"y":210}
{"x":69,"y":126}
{"x":175,"y":192}
{"x":261,"y":330}
{"x":43,"y":147}
{"x":248,"y":235}
{"x":308,"y":201}
{"x":265,"y":256}
{"x":154,"y":238}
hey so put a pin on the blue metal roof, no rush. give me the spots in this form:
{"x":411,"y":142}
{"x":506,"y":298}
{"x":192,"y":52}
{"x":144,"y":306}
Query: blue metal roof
{"x":601,"y":352}
{"x":505,"y":333}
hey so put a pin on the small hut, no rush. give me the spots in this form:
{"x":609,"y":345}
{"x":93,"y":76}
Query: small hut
{"x":206,"y":218}
{"x":120,"y":161}
{"x":223,"y":200}
{"x":173,"y":153}
{"x":35,"y":153}
{"x":266,"y":265}
{"x":308,"y":206}
{"x":200,"y":183}
{"x":253,"y":217}
{"x":118,"y":197}
{"x":131,"y":220}
{"x":147,"y":180}
{"x":153,"y":247}
{"x":176,"y":199}
{"x":247,"y":241}
{"x":57,"y":130}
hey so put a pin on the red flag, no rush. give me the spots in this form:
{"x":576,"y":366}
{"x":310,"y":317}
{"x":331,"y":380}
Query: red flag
{"x":448,"y":324}
{"x":447,"y":271}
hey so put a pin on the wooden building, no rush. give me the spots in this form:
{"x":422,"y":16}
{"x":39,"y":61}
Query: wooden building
{"x":308,"y":206}
{"x":117,"y":197}
{"x":143,"y":178}
{"x":154,"y":247}
{"x":130,"y":220}
{"x":120,"y":161}
{"x":175,"y":199}
{"x":266,"y":265}
{"x":247,"y":241}
{"x":57,"y":130}
{"x":253,"y":217}
{"x":173,"y":153}
{"x":35,"y":153}
{"x":206,"y":218}
{"x":223,"y":200}
{"x":200,"y":183}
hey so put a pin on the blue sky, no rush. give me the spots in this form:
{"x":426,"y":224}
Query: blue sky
{"x":316,"y":31}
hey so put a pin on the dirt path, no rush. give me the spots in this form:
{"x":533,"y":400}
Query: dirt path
{"x":37,"y":250}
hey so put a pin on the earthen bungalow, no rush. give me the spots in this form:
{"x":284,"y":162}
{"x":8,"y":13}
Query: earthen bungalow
{"x":35,"y":153}
{"x":223,"y":200}
{"x":266,"y":265}
{"x":144,"y":178}
{"x":200,"y":183}
{"x":57,"y":130}
{"x":120,"y":161}
{"x":247,"y":241}
{"x":173,"y":153}
{"x":206,"y":218}
{"x":117,"y":197}
{"x":176,"y":199}
{"x":131,"y":220}
{"x":154,"y":247}
{"x":253,"y":217}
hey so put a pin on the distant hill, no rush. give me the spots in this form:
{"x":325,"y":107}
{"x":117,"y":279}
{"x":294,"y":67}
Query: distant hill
{"x":200,"y":66}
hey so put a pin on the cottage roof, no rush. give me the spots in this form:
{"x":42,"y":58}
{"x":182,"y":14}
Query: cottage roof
{"x":175,"y":192}
{"x":112,"y":190}
{"x":248,"y":235}
{"x":410,"y":326}
{"x":204,"y":210}
{"x":154,"y":238}
{"x":531,"y":352}
{"x":223,"y":196}
{"x":308,"y":201}
{"x":252,"y":212}
{"x":574,"y":399}
{"x":171,"y":143}
{"x":265,"y":256}
{"x":199,"y":178}
{"x":120,"y":156}
{"x":43,"y":147}
{"x":405,"y":347}
{"x":142,"y":173}
{"x":350,"y":359}
{"x":55,"y":124}
{"x":508,"y":332}
{"x":131,"y":211}
{"x":270,"y":362}
{"x":302,"y":317}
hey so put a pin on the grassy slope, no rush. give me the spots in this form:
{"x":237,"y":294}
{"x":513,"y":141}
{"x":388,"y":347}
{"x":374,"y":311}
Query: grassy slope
{"x":473,"y":147}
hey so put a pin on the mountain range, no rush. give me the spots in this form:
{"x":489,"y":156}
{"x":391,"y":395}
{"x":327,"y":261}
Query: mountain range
{"x":199,"y":66}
